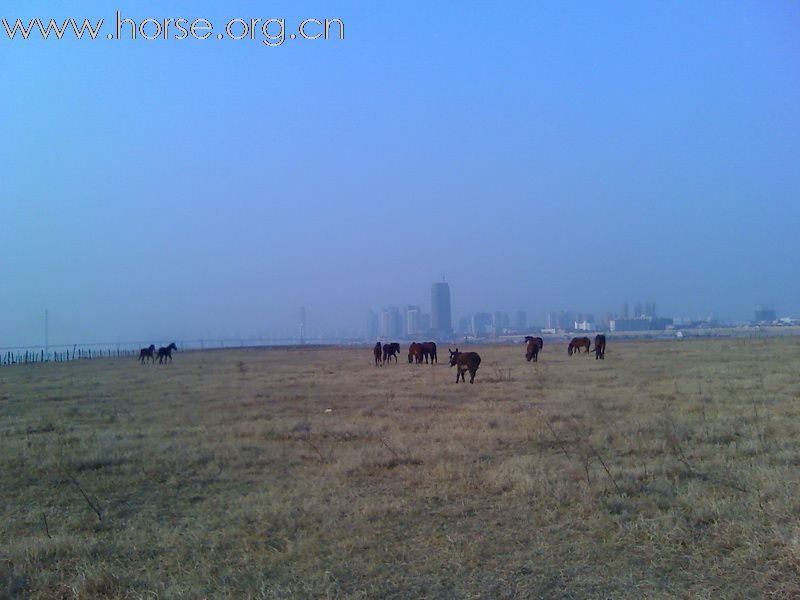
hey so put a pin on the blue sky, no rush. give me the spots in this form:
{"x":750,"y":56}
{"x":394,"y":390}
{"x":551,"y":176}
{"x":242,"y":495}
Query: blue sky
{"x":541,"y":155}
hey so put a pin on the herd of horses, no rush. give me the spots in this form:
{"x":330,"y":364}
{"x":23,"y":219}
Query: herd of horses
{"x":419,"y":351}
{"x":150,"y":354}
{"x":577,"y":343}
{"x":470,"y":361}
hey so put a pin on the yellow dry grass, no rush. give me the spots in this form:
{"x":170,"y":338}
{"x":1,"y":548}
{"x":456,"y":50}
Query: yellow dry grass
{"x":669,"y":470}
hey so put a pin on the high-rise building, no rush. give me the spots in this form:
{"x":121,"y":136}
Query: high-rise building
{"x":373,"y":325}
{"x":391,"y":323}
{"x":563,"y":319}
{"x":424,"y":323}
{"x":481,"y":324}
{"x":764,"y":314}
{"x":520,"y":320}
{"x":411,"y":316}
{"x":500,"y":321}
{"x":463,"y":325}
{"x":440,"y":309}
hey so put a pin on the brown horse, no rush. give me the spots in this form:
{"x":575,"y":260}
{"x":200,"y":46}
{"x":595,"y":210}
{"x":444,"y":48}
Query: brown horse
{"x":577,"y":343}
{"x":599,"y":347}
{"x":429,"y":350}
{"x":534,"y":346}
{"x":390,"y":351}
{"x":465,"y":361}
{"x":376,"y":352}
{"x":415,"y":353}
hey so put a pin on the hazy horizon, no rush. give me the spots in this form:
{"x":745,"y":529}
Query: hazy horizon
{"x":541,"y":157}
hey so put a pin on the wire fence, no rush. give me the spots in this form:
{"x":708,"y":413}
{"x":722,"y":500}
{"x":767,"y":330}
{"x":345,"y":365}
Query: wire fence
{"x":27,"y":355}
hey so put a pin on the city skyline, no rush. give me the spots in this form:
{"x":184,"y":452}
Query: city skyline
{"x":592,"y":157}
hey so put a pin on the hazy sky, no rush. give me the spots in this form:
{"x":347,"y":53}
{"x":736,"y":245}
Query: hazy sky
{"x":541,"y":155}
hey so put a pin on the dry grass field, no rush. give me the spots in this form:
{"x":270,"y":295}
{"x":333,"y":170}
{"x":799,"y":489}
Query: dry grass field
{"x":669,"y":470}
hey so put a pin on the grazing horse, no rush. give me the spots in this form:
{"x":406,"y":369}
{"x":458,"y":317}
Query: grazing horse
{"x":415,"y":353}
{"x":166,"y":353}
{"x":376,"y":352}
{"x":534,"y":346}
{"x":577,"y":343}
{"x":429,"y":350}
{"x":391,"y":351}
{"x":147,"y":354}
{"x":599,"y":347}
{"x":465,"y":361}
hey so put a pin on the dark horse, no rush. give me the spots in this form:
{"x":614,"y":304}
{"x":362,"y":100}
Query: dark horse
{"x":166,"y":353}
{"x":465,"y":361}
{"x":534,"y":346}
{"x":415,"y":353}
{"x":599,"y":347}
{"x":429,"y":350}
{"x":147,"y":354}
{"x":391,"y":351}
{"x":577,"y":343}
{"x":376,"y":352}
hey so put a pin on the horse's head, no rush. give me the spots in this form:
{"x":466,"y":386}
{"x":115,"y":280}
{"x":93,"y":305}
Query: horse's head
{"x":569,"y":349}
{"x":454,"y":357}
{"x":172,"y":346}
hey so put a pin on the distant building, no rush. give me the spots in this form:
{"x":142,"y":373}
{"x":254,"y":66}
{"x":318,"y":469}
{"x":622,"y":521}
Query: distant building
{"x":584,"y":326}
{"x":373,"y":325}
{"x":424,"y":323}
{"x":391,"y":323}
{"x":464,"y":325}
{"x":629,"y":325}
{"x":764,"y":314}
{"x":520,"y":320}
{"x":563,"y":319}
{"x":640,"y":324}
{"x":441,"y":322}
{"x":411,"y":316}
{"x":500,"y":321}
{"x":481,"y":324}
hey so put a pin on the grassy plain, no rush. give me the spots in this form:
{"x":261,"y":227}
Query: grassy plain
{"x":669,"y":470}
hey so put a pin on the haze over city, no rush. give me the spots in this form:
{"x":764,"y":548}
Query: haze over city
{"x":539,"y":158}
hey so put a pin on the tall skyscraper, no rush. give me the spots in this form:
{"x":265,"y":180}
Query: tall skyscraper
{"x":440,"y":309}
{"x":373,"y":325}
{"x":411,"y":316}
{"x":391,"y":323}
{"x":520,"y":320}
{"x":464,"y":326}
{"x":424,"y":323}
